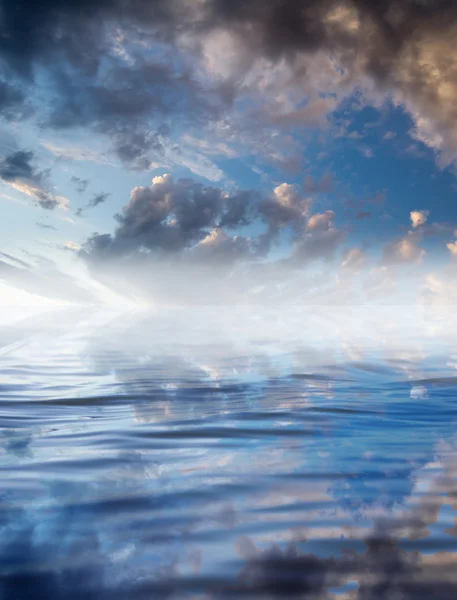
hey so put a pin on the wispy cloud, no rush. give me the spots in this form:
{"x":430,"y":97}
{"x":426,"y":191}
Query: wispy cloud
{"x":17,"y":171}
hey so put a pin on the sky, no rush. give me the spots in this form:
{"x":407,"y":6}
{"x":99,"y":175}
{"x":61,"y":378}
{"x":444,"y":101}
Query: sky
{"x":222,"y":152}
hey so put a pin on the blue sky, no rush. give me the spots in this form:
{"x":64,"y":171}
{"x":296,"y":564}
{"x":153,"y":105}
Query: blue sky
{"x":339,"y":145}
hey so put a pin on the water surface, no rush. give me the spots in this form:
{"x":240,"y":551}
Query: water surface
{"x":229,"y":453}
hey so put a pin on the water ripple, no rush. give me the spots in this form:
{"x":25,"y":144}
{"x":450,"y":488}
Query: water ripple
{"x":141,"y":460}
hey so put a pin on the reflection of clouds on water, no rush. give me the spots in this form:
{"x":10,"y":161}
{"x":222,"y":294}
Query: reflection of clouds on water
{"x":418,"y":391}
{"x":148,"y":460}
{"x":200,"y":382}
{"x":269,"y":568}
{"x":16,"y":442}
{"x":382,"y":571}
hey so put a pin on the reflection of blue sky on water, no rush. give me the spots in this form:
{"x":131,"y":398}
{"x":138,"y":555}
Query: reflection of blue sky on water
{"x":142,"y":453}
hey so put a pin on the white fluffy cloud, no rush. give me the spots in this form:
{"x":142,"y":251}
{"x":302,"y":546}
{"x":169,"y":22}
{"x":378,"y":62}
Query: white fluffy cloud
{"x":320,"y":221}
{"x":452,"y":247}
{"x":405,"y":250}
{"x":419,"y":217}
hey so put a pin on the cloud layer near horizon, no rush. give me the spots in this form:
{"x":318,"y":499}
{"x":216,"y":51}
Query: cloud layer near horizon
{"x":179,"y":241}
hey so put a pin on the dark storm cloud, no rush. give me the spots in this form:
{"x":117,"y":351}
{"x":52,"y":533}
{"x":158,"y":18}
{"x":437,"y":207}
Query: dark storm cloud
{"x":134,"y":145}
{"x":405,"y":47}
{"x":17,"y":170}
{"x":171,"y":216}
{"x":176,"y":216}
{"x":178,"y":240}
{"x":135,"y":106}
{"x":90,"y":85}
{"x":77,"y":43}
{"x":72,"y":29}
{"x":32,"y":32}
{"x":126,"y":93}
{"x":284,"y":27}
{"x":240,"y":210}
{"x":17,"y":166}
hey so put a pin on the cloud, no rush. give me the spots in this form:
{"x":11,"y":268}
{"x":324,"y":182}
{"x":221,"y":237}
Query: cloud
{"x":419,"y":217}
{"x":180,"y":231}
{"x":313,"y":113}
{"x":47,"y":282}
{"x":405,"y":250}
{"x":80,"y":184}
{"x":285,"y":207}
{"x":169,"y":215}
{"x":135,"y":106}
{"x":291,"y":64}
{"x":99,"y":199}
{"x":319,"y":244}
{"x":133,"y":144}
{"x":16,"y":170}
{"x":320,"y":221}
{"x":46,"y":226}
{"x":324,"y":186}
{"x":390,"y":135}
{"x":404,"y":47}
{"x":452,"y":247}
{"x":217,"y":245}
{"x":186,"y":220}
{"x":439,"y":289}
{"x":72,"y":247}
{"x":353,"y":259}
{"x":94,"y":201}
{"x":13,"y":104}
{"x":173,"y":216}
{"x":78,"y":152}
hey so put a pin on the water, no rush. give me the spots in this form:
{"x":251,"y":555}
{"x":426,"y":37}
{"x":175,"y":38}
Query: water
{"x":229,"y":453}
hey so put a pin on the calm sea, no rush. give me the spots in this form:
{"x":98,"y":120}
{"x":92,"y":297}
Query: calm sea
{"x":228,"y":453}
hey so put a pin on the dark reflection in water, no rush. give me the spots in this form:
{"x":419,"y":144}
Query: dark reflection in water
{"x":229,"y":454}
